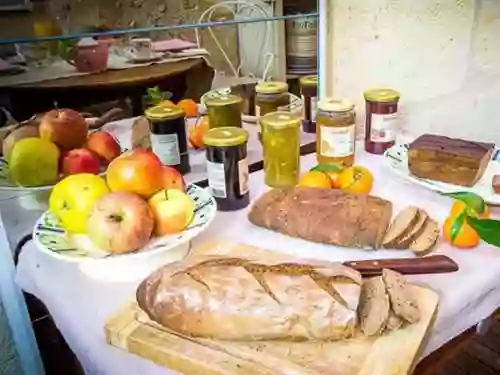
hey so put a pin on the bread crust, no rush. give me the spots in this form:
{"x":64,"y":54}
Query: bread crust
{"x":239,"y":299}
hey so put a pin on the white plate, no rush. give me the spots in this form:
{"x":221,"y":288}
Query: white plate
{"x":397,"y":159}
{"x":51,"y":239}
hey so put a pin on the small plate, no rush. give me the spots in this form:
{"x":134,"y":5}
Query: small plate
{"x":143,"y":60}
{"x":397,"y":159}
{"x":50,"y":238}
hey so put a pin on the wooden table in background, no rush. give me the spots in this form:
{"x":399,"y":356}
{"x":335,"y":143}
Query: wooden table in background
{"x":186,"y":78}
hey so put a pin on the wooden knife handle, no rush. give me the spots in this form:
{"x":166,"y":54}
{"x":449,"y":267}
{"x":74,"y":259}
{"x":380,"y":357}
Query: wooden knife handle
{"x":407,"y":266}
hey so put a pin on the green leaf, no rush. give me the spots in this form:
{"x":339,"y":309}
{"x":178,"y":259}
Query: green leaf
{"x":327,"y":168}
{"x":155,"y":95}
{"x":473,"y":201}
{"x":456,"y":226}
{"x":487,"y":229}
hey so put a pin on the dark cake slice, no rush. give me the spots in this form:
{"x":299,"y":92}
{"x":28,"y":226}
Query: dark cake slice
{"x":451,"y":160}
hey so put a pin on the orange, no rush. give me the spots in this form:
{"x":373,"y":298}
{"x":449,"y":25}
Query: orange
{"x":357,"y":180}
{"x":197,"y":132}
{"x":315,"y":179}
{"x":189,"y":107}
{"x":459,"y":206}
{"x":466,"y":238}
{"x":334,"y":179}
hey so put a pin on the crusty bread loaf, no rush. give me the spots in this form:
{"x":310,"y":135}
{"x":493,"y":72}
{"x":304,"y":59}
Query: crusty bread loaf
{"x":240,"y":299}
{"x":324,"y":215}
{"x":450,"y":160}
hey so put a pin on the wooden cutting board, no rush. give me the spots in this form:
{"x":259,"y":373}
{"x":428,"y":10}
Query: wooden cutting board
{"x":394,"y":353}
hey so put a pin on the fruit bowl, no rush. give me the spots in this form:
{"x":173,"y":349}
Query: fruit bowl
{"x":51,"y":239}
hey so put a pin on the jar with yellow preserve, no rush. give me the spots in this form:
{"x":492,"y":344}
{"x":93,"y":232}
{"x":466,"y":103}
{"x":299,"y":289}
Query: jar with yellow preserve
{"x":271,"y":97}
{"x":281,"y":143}
{"x":335,"y":132}
{"x":224,"y":111}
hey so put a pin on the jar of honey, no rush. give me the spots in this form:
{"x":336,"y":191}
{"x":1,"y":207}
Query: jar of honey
{"x":309,"y":92}
{"x":381,"y":119}
{"x":224,"y":111}
{"x":167,"y":127}
{"x":335,"y":132}
{"x":271,"y":97}
{"x":281,"y":143}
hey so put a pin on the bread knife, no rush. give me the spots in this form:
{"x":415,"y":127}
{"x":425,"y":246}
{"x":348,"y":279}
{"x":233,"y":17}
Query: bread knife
{"x":407,"y":266}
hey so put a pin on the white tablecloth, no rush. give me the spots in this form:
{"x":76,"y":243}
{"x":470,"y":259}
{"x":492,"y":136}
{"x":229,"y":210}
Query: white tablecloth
{"x":80,"y":306}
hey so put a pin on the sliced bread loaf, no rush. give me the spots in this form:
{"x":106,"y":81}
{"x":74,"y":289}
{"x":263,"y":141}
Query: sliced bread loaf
{"x":403,"y":302}
{"x":374,"y":307}
{"x":402,"y":223}
{"x":424,"y":243}
{"x":415,"y":231}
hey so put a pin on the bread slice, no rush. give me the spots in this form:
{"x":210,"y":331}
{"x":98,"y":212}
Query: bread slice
{"x":415,"y":231}
{"x":402,"y":223}
{"x":374,"y":307}
{"x":394,"y":322}
{"x":403,"y":302}
{"x":424,"y":243}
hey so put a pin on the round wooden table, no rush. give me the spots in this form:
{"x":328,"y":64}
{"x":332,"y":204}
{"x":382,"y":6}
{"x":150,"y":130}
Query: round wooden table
{"x":85,"y":90}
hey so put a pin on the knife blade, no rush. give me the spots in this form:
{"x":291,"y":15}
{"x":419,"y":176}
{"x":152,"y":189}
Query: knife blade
{"x":408,"y":266}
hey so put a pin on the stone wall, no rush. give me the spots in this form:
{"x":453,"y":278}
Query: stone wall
{"x":442,"y":55}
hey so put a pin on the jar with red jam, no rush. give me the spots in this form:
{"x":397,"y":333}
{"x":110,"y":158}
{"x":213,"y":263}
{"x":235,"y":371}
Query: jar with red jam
{"x":381,"y":119}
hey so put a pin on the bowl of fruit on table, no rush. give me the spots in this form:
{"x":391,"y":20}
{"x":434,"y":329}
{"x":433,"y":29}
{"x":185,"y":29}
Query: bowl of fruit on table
{"x":39,"y":154}
{"x":123,"y":225}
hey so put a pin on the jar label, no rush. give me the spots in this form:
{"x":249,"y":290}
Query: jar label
{"x":313,"y":109}
{"x":166,"y":147}
{"x":383,"y":127}
{"x":257,"y":111}
{"x":243,"y":175}
{"x":216,"y":179}
{"x":337,"y":142}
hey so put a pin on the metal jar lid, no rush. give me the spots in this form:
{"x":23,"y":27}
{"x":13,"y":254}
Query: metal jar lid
{"x":271,"y":87}
{"x":335,"y":105}
{"x":280,"y":120}
{"x":164,"y":112}
{"x":381,"y":95}
{"x":223,"y":100}
{"x":309,"y":81}
{"x":225,"y":137}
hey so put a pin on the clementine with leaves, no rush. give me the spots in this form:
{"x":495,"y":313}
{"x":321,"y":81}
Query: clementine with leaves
{"x":189,"y":107}
{"x":459,"y":233}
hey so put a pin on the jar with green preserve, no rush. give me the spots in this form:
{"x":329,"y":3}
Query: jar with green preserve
{"x":227,"y":167}
{"x":271,"y":97}
{"x":224,"y":111}
{"x":281,"y":143}
{"x":309,"y":92}
{"x":167,"y":127}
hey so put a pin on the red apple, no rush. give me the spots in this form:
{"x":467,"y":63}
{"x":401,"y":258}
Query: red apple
{"x":65,"y":127}
{"x":120,"y":223}
{"x":136,"y":171}
{"x":104,"y":145}
{"x":80,"y":160}
{"x":172,"y":211}
{"x":171,"y":178}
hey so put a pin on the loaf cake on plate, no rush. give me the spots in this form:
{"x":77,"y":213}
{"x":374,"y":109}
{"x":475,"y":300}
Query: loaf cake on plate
{"x":450,"y":160}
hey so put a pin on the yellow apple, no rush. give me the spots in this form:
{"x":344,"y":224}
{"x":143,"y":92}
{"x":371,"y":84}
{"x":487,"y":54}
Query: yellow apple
{"x":172,"y":211}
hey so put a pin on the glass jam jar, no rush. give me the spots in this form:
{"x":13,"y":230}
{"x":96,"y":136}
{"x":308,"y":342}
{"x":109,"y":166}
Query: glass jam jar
{"x":381,"y":119}
{"x":227,"y":167}
{"x":309,"y":92}
{"x":271,"y":97}
{"x":281,"y":143}
{"x":335,"y":132}
{"x":167,"y":127}
{"x":224,"y":111}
